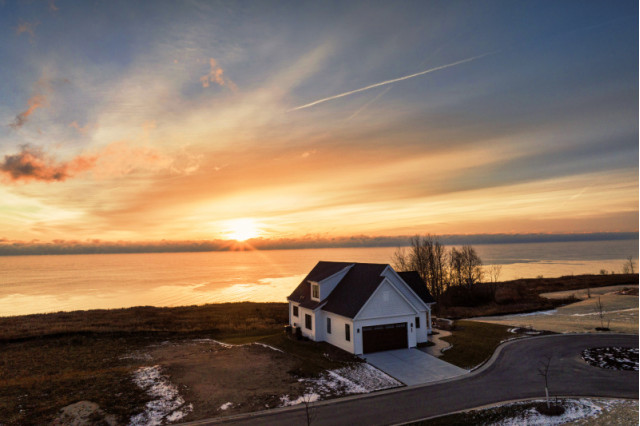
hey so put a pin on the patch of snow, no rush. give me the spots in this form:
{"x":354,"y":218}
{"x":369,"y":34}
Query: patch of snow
{"x":575,"y":409}
{"x":353,"y":379}
{"x":217,"y":342}
{"x":167,"y":404}
{"x":530,"y":314}
{"x":307,"y":397}
{"x":268,"y":346}
{"x":604,"y":312}
{"x":226,"y":406}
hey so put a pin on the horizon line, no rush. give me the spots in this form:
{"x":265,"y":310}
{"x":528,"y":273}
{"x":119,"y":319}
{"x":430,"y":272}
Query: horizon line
{"x":63,"y":247}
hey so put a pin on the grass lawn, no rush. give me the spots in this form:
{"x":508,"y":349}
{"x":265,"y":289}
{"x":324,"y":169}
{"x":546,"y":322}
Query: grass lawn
{"x":473,"y":342}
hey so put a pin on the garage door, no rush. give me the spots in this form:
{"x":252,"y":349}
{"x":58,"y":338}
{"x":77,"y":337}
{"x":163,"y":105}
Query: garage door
{"x":384,"y":337}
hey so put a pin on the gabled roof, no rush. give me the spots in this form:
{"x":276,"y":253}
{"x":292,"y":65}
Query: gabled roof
{"x":302,"y":293}
{"x":417,"y":285}
{"x":354,"y":289}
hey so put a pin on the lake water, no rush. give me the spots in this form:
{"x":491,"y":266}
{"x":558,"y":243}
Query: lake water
{"x":38,"y":284}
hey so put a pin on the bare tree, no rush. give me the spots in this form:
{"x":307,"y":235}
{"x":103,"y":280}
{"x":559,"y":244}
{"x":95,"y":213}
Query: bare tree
{"x":400,"y":260}
{"x":427,"y":257}
{"x":543,"y":370}
{"x":629,"y":266}
{"x":471,"y":266}
{"x":494,"y":272}
{"x":309,"y":409}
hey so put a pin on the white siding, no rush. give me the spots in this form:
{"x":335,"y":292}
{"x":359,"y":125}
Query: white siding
{"x":293,"y":320}
{"x":403,"y":287}
{"x":337,"y":336}
{"x":422,"y":333}
{"x":311,"y":334}
{"x":385,"y":302}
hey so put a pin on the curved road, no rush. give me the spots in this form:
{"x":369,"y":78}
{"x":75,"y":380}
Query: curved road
{"x":512,"y":373}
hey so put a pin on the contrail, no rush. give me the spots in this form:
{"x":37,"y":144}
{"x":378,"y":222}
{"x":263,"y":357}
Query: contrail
{"x":384,"y":83}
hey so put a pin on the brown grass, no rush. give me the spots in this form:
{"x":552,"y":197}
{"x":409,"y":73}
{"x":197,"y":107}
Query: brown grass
{"x":53,"y":360}
{"x":227,"y":319}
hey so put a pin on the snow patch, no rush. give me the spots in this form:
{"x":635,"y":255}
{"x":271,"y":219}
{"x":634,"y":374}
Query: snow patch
{"x":226,"y":406}
{"x":307,"y":397}
{"x":356,"y":378}
{"x":268,"y":346}
{"x":167,"y":405}
{"x":530,"y":314}
{"x":575,"y":409}
{"x":604,"y":312}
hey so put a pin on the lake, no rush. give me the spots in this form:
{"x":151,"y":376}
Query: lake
{"x":38,"y":284}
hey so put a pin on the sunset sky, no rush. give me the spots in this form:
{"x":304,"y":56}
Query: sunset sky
{"x":198,"y":120}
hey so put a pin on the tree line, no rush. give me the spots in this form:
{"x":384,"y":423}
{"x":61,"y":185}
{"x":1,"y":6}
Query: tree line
{"x":439,"y":267}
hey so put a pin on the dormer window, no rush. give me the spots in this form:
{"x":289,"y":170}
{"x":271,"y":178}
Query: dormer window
{"x":315,"y":291}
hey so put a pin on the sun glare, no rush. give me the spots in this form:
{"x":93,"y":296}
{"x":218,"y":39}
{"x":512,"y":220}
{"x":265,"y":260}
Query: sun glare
{"x":242,"y":229}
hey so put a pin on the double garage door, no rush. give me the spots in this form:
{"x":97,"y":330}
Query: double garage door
{"x":384,"y":337}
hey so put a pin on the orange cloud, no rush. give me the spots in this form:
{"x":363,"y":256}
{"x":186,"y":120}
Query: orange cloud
{"x":28,"y":28}
{"x":35,"y":102}
{"x":82,"y":130}
{"x":32,"y":164}
{"x":216,"y":75}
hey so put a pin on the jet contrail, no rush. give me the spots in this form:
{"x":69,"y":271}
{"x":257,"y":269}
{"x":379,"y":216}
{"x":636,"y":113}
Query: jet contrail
{"x":384,"y":83}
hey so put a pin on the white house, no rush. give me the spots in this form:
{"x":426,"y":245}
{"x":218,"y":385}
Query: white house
{"x":362,"y":307}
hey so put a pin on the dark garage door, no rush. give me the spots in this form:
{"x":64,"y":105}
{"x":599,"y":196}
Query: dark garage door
{"x":384,"y":337}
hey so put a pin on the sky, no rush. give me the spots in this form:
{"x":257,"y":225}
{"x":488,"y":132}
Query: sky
{"x":203,"y":120}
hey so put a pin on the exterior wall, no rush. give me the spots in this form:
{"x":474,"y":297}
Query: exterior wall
{"x":337,"y":336}
{"x":294,"y":321}
{"x":409,"y":319}
{"x":300,"y":321}
{"x":385,"y":302}
{"x":422,"y":333}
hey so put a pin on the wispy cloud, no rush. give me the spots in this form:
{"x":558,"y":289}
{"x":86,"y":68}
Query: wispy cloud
{"x":32,"y":164}
{"x":27,"y":28}
{"x":216,"y":75}
{"x":35,"y":102}
{"x":395,"y":80}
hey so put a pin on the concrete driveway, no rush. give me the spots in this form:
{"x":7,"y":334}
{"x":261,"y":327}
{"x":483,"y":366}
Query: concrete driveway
{"x":412,"y":366}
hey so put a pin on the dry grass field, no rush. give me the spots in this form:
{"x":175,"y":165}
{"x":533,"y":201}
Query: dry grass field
{"x":620,"y":314}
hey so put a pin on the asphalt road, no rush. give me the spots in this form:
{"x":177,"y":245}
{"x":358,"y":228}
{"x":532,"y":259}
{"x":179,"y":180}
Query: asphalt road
{"x":512,"y":373}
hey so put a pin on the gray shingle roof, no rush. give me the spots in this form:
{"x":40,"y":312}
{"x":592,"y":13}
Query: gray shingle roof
{"x":417,"y":285}
{"x":354,"y":289}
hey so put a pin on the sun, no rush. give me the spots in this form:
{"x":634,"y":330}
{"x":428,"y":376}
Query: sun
{"x":242,"y":229}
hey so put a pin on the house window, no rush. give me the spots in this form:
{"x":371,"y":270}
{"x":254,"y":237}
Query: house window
{"x":347,"y":332}
{"x":295,"y":311}
{"x":417,"y":322}
{"x":307,"y":321}
{"x":328,"y":325}
{"x":315,"y":291}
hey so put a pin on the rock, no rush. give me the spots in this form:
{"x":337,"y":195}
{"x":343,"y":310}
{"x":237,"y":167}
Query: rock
{"x":84,"y":413}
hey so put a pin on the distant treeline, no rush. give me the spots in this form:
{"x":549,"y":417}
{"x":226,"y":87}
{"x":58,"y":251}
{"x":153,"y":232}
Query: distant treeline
{"x":16,"y":248}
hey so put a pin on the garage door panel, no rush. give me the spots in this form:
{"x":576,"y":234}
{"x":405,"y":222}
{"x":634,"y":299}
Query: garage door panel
{"x":384,"y":337}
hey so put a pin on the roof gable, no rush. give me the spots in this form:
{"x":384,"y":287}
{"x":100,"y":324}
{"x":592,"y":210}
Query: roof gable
{"x":386,"y":301}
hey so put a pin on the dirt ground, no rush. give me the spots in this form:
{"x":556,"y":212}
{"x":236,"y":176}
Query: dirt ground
{"x":620,"y":313}
{"x":210,"y":376}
